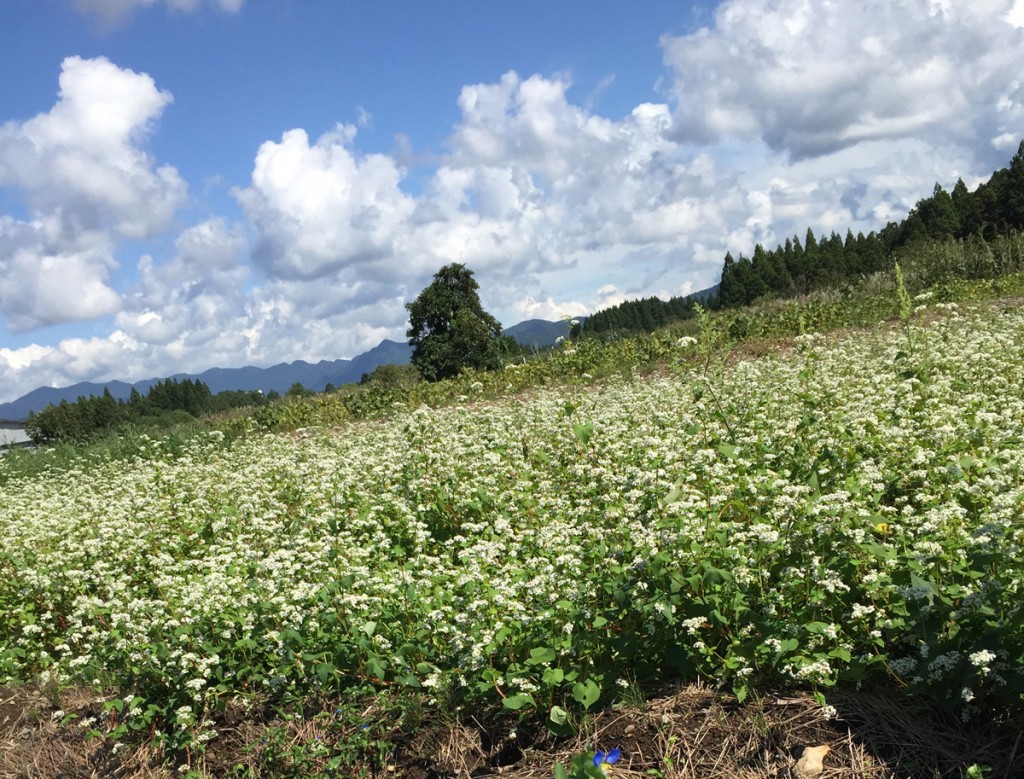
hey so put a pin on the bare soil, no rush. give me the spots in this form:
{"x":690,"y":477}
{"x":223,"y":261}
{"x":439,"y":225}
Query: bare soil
{"x":685,"y":732}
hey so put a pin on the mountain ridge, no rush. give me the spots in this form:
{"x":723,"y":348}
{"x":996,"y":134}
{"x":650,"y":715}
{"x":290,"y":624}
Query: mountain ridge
{"x":278,"y":378}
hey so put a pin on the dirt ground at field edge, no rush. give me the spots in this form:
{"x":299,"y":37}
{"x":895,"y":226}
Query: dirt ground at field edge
{"x":687,"y":732}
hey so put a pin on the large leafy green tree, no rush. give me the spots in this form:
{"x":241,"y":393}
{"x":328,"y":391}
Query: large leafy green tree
{"x":449,"y":329}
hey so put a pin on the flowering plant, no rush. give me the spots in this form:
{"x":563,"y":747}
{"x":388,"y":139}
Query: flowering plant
{"x":848,"y":512}
{"x":590,"y":765}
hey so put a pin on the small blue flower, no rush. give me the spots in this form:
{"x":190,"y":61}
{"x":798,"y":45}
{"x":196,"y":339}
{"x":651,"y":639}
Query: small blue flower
{"x":609,"y":758}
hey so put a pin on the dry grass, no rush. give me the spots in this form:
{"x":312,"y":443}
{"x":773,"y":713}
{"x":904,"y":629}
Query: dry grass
{"x":687,"y":732}
{"x":35,"y":746}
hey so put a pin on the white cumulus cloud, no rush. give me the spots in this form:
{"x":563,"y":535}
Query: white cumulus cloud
{"x":782,"y":114}
{"x":85,"y":160}
{"x":531,"y":184}
{"x":323,"y":208}
{"x":548,"y":308}
{"x":534,"y":184}
{"x":810,"y":77}
{"x":86,"y":181}
{"x":50,"y":278}
{"x":192,"y":300}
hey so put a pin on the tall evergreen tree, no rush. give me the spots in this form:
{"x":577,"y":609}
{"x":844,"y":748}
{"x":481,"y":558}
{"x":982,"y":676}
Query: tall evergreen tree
{"x":938,"y":213}
{"x":1013,"y":204}
{"x":731,"y":292}
{"x":870,"y":253}
{"x":968,"y":209}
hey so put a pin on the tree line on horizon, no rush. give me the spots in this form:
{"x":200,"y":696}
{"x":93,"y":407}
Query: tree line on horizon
{"x":974,"y":221}
{"x":166,"y":403}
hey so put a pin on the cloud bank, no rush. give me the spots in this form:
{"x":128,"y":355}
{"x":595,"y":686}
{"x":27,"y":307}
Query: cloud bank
{"x":780,"y":115}
{"x":87,"y":182}
{"x":811,"y":78}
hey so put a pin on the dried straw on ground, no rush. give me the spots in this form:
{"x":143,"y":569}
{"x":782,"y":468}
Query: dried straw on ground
{"x":691,"y":732}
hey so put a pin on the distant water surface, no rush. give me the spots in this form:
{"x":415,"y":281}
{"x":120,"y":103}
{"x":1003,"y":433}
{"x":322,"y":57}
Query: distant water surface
{"x":13,"y":435}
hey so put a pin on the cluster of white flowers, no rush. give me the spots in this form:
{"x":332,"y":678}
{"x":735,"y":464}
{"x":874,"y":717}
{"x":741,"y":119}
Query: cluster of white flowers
{"x":693,"y":624}
{"x":470,"y":517}
{"x":814,"y":672}
{"x":903,"y":666}
{"x":860,"y":611}
{"x":981,"y":660}
{"x":773,"y":645}
{"x":942,"y":664}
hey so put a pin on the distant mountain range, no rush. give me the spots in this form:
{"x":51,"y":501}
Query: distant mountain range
{"x":539,"y":332}
{"x":535,"y":332}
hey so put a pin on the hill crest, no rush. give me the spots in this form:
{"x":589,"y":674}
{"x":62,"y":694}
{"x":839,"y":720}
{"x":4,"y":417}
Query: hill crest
{"x":277,"y":378}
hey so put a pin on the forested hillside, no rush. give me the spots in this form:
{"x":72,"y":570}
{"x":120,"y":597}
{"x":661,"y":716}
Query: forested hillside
{"x":645,"y":315}
{"x":167,"y":403}
{"x":973,"y":219}
{"x":979,"y":230}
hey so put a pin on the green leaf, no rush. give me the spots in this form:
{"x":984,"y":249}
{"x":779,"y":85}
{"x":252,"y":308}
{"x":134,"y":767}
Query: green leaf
{"x":967,"y":462}
{"x":665,"y":607}
{"x":516,"y":702}
{"x":323,"y":672}
{"x":816,"y":628}
{"x":553,"y":676}
{"x":559,"y":724}
{"x":558,"y":715}
{"x":714,"y":575}
{"x":583,"y":432}
{"x":586,"y":693}
{"x":409,"y":680}
{"x":739,"y":689}
{"x":541,"y":655}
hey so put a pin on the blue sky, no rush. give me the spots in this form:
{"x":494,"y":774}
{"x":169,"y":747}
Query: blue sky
{"x":195,"y":183}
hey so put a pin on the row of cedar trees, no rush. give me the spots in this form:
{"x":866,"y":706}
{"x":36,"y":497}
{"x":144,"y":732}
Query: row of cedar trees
{"x":167,"y":402}
{"x":994,"y":209}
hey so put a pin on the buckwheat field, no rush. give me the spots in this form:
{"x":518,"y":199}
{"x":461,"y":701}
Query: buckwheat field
{"x":846,"y":511}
